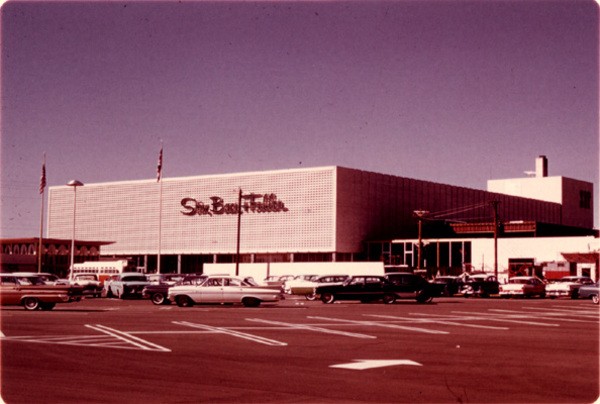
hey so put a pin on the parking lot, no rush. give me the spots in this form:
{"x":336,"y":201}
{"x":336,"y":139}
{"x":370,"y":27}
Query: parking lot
{"x":453,"y":350}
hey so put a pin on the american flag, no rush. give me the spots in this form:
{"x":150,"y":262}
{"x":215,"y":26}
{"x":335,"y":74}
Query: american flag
{"x":43,"y":178}
{"x":159,"y":166}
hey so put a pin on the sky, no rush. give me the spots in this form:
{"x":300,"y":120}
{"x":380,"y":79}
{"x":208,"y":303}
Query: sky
{"x":455,"y":92}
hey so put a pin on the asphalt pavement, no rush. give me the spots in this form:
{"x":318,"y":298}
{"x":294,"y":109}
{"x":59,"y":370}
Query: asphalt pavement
{"x":454,"y":350}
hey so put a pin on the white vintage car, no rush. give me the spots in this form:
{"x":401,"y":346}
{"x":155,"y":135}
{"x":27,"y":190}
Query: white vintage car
{"x":298,"y":281}
{"x":222,"y":289}
{"x":523,"y":286}
{"x":567,"y":286}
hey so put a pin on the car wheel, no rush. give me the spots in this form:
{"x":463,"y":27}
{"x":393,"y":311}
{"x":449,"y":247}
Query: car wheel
{"x":184,"y":301}
{"x":595,"y":299}
{"x":250,"y":302}
{"x":158,"y":298}
{"x":31,"y":303}
{"x":47,"y":306}
{"x":424,"y":298}
{"x":575,"y":294}
{"x":311,"y":296}
{"x":327,"y":298}
{"x":389,"y":298}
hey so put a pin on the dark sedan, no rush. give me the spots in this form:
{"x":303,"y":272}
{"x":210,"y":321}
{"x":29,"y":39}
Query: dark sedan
{"x":369,"y":288}
{"x":481,"y":285}
{"x":449,"y":285}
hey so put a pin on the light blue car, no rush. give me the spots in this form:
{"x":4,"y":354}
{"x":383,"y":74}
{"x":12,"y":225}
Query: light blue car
{"x":589,"y":292}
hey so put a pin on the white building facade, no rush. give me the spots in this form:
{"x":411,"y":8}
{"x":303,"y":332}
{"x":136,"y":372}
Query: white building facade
{"x":323,"y":214}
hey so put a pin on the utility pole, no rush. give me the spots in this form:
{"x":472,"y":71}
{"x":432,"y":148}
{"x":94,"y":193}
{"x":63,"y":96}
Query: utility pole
{"x":496,"y":225}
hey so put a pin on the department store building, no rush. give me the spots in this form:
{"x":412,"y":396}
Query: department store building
{"x":322,"y":214}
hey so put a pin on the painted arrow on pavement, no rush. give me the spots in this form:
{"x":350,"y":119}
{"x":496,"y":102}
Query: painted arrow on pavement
{"x":362,"y":364}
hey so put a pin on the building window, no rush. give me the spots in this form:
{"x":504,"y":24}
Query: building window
{"x":585,"y":199}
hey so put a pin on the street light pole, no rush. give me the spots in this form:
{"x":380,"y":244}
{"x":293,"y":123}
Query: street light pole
{"x":74,"y":184}
{"x":239,"y":225}
{"x":420,"y":214}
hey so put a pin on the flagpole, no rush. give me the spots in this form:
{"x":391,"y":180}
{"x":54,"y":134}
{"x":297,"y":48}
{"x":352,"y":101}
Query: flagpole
{"x":159,"y":178}
{"x":42,"y":189}
{"x":159,"y":226}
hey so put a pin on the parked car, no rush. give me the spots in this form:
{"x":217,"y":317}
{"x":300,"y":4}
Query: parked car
{"x":89,"y":282}
{"x":298,"y":281}
{"x":170,"y":278}
{"x":567,"y":286}
{"x":523,"y":286}
{"x":307,"y":287}
{"x":369,"y":288}
{"x":276,"y":281}
{"x":412,"y":285}
{"x":449,"y":285}
{"x":222,"y":289}
{"x":590,"y":292}
{"x":325,"y":280}
{"x":127,"y":284}
{"x":106,"y":285}
{"x":46,"y":277}
{"x":158,"y":292}
{"x":33,"y":293}
{"x":481,"y":285}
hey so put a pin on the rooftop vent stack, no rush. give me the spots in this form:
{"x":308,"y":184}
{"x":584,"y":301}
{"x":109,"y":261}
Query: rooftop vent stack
{"x":541,"y":166}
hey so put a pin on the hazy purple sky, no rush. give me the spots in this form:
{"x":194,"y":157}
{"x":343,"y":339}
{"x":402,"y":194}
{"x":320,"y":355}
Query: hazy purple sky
{"x":455,"y":92}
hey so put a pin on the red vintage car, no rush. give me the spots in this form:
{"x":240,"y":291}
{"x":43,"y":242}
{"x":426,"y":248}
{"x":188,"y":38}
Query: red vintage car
{"x":32,"y":292}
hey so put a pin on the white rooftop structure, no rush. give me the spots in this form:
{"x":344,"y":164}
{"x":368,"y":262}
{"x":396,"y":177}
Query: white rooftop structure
{"x":575,"y":196}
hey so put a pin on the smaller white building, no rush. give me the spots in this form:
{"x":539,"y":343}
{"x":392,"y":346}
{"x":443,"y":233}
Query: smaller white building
{"x":574,"y":196}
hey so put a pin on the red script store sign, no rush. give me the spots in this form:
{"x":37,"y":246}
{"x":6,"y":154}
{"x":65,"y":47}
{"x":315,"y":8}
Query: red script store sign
{"x":251,"y":203}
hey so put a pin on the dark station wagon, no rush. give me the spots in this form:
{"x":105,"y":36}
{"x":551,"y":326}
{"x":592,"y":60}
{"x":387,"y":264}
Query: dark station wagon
{"x":369,"y":288}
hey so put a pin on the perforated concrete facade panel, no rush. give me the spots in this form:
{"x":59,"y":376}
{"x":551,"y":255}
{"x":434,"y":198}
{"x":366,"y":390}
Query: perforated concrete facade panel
{"x":283,"y":211}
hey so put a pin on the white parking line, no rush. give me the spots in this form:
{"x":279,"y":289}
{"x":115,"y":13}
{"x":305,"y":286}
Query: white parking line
{"x":313,"y":328}
{"x":128,"y":338}
{"x":220,"y":330}
{"x":509,"y":319}
{"x":378,"y":324}
{"x":549,"y":316}
{"x":571,"y":312}
{"x":426,"y":320}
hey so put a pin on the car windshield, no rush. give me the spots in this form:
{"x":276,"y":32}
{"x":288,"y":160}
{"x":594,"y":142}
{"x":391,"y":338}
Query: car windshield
{"x":48,"y":278}
{"x":193,"y":281}
{"x":140,"y":278}
{"x":519,"y":281}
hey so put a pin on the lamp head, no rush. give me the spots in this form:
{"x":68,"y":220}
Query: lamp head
{"x":75,"y":183}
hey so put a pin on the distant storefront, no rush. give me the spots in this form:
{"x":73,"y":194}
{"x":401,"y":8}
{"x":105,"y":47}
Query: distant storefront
{"x":21,"y":254}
